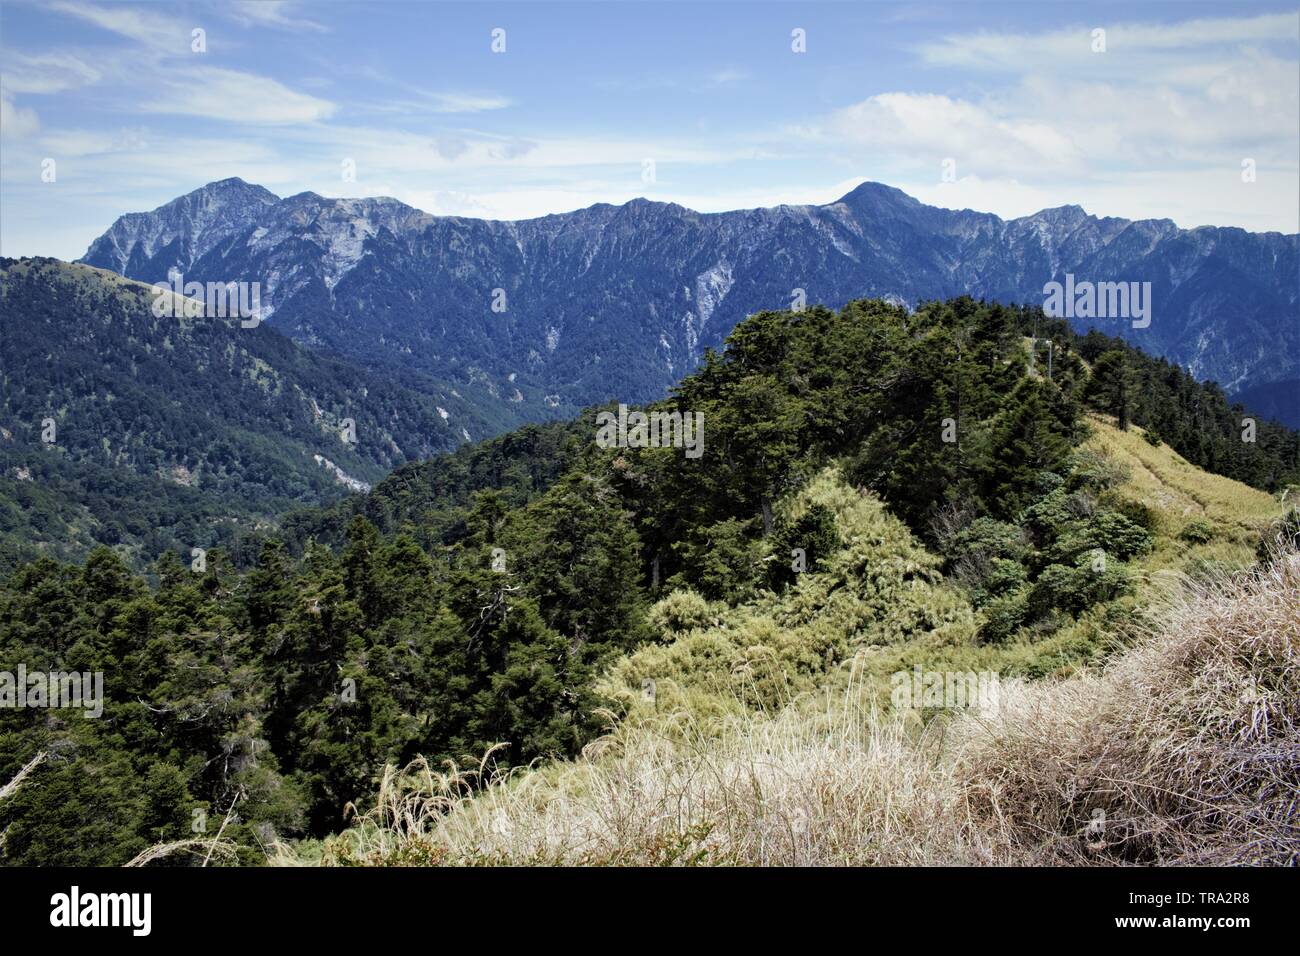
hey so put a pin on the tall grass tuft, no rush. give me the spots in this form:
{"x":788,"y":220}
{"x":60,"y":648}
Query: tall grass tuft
{"x":1185,"y":749}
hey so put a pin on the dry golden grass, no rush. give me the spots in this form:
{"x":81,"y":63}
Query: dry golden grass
{"x":206,"y":850}
{"x":788,"y":790}
{"x":1180,"y":493}
{"x":1184,"y":750}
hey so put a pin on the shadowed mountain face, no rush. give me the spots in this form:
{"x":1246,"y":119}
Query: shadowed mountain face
{"x":119,"y":426}
{"x":620,"y":301}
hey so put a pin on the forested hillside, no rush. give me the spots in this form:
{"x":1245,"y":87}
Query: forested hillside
{"x":845,"y":374}
{"x":148,"y":433}
{"x":913,"y":483}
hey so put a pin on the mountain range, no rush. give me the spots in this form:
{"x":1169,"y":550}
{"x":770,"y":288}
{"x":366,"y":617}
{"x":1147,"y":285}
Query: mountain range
{"x":551,"y":314}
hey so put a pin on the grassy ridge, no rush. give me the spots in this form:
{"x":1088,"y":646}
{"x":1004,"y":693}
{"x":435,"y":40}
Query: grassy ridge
{"x":1182,"y":495}
{"x":1180,"y":751}
{"x":764,"y":734}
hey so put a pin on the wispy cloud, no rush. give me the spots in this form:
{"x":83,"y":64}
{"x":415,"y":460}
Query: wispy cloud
{"x":272,"y":13}
{"x":173,"y":78}
{"x":46,"y":72}
{"x":466,"y":103}
{"x":418,"y":98}
{"x":149,"y":27}
{"x":16,"y":122}
{"x":220,"y":94}
{"x":728,"y":77}
{"x":1070,"y":49}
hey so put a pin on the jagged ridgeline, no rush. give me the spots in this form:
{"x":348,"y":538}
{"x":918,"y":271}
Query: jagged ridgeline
{"x":152,"y":432}
{"x":567,"y":310}
{"x":869,"y":478}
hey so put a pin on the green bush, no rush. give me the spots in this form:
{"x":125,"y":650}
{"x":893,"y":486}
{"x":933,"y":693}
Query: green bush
{"x":1004,"y":575}
{"x":1090,"y":469}
{"x":1046,"y":518}
{"x":987,"y":537}
{"x":1110,"y":531}
{"x":1135,"y":511}
{"x":814,"y":532}
{"x":722,"y":561}
{"x":1197,"y":531}
{"x":681,"y":611}
{"x":1004,"y":615}
{"x":1071,"y":588}
{"x":987,"y":557}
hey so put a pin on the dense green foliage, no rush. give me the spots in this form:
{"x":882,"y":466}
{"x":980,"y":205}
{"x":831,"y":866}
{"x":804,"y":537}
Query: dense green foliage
{"x":181,"y":432}
{"x":474,"y":599}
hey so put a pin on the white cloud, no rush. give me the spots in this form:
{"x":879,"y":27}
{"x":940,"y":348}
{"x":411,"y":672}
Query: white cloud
{"x":930,"y":127}
{"x":158,"y":31}
{"x":419,"y":99}
{"x":15,"y":121}
{"x":728,"y":77}
{"x":1007,"y":198}
{"x":1156,"y":126}
{"x":274,"y":13}
{"x":389,"y":153}
{"x":236,"y":97}
{"x":466,"y":103}
{"x":46,"y":73}
{"x":1190,"y":198}
{"x":67,"y":143}
{"x":1187,"y":106}
{"x":1071,"y":50}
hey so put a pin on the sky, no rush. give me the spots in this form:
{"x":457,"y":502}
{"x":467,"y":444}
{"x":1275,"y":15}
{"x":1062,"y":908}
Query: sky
{"x":1186,"y":111}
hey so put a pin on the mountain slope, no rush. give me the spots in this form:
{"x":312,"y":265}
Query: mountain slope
{"x":180,"y":231}
{"x":1180,"y":492}
{"x":515,"y":598}
{"x":194,"y":414}
{"x":1166,"y":756}
{"x":620,"y":301}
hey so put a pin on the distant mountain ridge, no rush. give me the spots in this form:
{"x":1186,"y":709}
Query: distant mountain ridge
{"x":620,"y":301}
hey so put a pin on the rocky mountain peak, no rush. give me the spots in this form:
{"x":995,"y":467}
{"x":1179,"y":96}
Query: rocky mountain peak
{"x":620,"y":300}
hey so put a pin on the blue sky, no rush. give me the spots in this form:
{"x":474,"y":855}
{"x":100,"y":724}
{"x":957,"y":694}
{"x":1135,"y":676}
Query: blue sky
{"x":1014,"y":94}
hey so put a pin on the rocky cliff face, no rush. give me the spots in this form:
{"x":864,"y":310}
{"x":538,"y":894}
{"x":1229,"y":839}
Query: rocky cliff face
{"x":620,"y":301}
{"x":174,"y":235}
